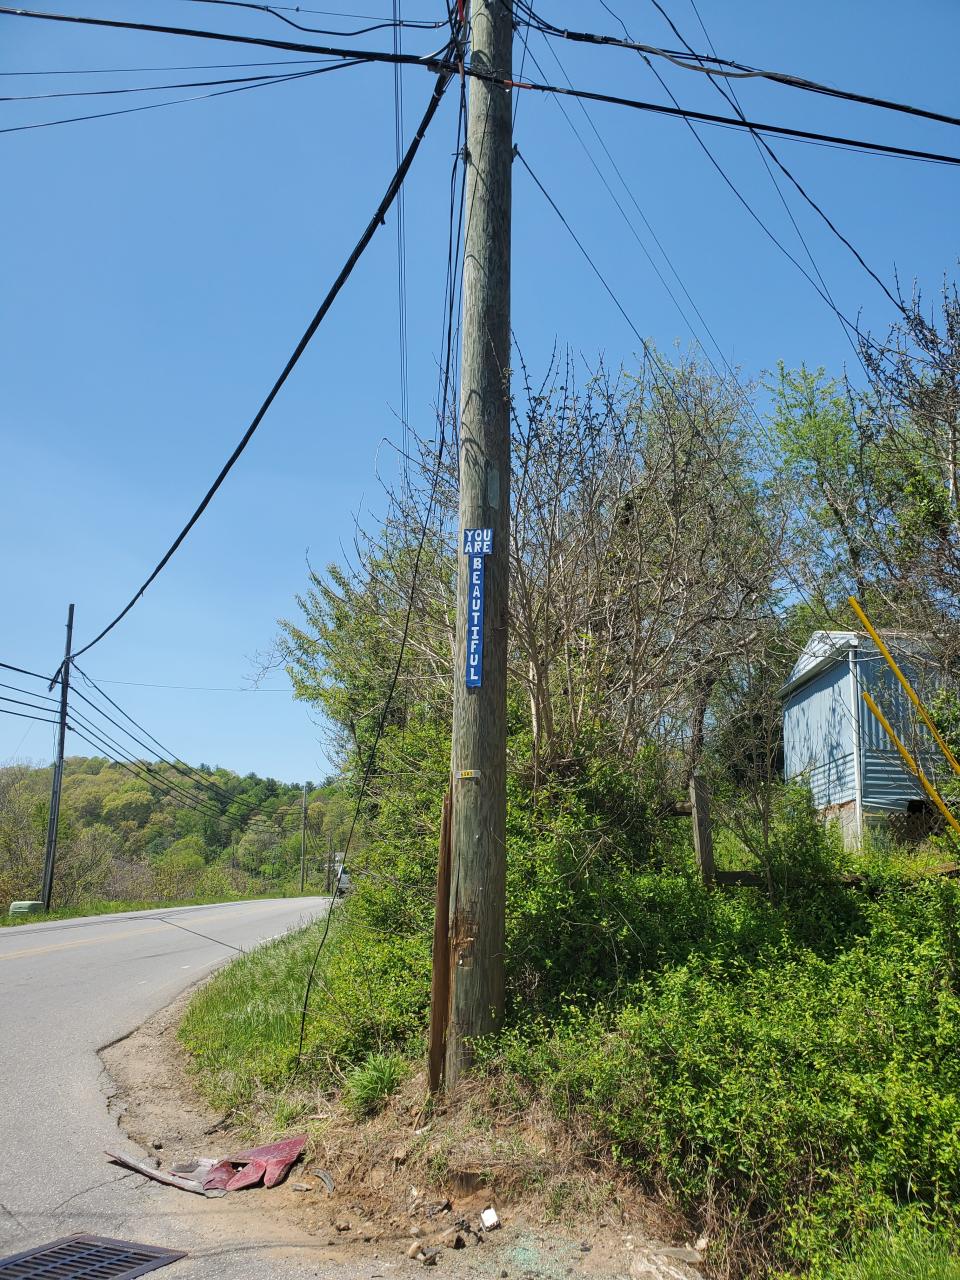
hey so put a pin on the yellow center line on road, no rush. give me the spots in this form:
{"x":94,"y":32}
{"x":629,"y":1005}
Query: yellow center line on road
{"x":161,"y":927}
{"x":78,"y":942}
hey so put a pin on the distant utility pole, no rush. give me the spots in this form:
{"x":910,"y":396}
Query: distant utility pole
{"x":51,"y":852}
{"x":303,"y":840}
{"x":479,"y":754}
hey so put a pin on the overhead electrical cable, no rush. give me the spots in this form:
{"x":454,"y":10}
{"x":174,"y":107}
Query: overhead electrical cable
{"x":345,"y":273}
{"x":194,"y":688}
{"x":23,"y":715}
{"x":659,"y":370}
{"x":762,"y":142}
{"x":19,"y":702}
{"x":146,"y":88}
{"x":819,"y":285}
{"x":127,"y":762}
{"x":171,"y":757}
{"x":822,"y":289}
{"x":276,"y":11}
{"x":729,"y":69}
{"x":395,"y":675}
{"x":175,"y":765}
{"x":445,"y":65}
{"x":36,"y":675}
{"x":190,"y":798}
{"x":398,"y":133}
{"x":16,"y":689}
{"x":175,"y":102}
{"x":729,"y":96}
{"x":189,"y":66}
{"x":630,"y":224}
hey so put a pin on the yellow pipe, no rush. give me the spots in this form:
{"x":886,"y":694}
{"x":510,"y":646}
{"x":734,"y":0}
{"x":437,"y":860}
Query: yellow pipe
{"x":911,"y":763}
{"x":907,"y":687}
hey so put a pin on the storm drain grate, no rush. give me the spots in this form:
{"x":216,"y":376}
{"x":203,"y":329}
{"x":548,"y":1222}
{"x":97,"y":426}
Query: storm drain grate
{"x":82,"y":1257}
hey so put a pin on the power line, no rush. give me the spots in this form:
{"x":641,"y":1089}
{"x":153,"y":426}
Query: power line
{"x":139,"y":771}
{"x":657,"y":366}
{"x":145,"y":88}
{"x":401,"y":242}
{"x":19,"y":702}
{"x":36,"y":675}
{"x":262,"y":83}
{"x":24,"y":716}
{"x":822,"y":288}
{"x":190,"y":66}
{"x":178,"y":768}
{"x":623,"y":181}
{"x":276,"y":11}
{"x":228,"y":37}
{"x":16,"y":689}
{"x":376,"y":221}
{"x":192,"y":801}
{"x":381,"y":724}
{"x":729,"y":69}
{"x":172,"y":758}
{"x":729,"y":96}
{"x":443,"y":64}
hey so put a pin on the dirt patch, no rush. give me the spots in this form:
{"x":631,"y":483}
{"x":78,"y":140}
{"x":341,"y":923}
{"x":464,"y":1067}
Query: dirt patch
{"x":406,"y":1189}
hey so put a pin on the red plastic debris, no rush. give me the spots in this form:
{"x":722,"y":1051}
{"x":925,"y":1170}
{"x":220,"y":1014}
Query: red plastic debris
{"x":246,"y":1168}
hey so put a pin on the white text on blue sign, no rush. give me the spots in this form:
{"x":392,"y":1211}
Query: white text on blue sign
{"x":477,"y":543}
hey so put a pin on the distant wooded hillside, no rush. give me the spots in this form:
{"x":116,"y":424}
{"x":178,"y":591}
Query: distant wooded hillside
{"x":168,"y":831}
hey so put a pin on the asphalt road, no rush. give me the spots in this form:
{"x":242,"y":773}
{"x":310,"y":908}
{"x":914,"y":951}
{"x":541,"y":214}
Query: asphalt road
{"x":68,"y":988}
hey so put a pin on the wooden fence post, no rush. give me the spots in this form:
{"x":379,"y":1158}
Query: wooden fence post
{"x":440,"y":991}
{"x":702,"y":833}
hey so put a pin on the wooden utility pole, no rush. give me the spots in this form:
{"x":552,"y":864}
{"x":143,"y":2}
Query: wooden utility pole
{"x":478,"y":756}
{"x":303,"y":840}
{"x":50,"y":857}
{"x":440,"y":994}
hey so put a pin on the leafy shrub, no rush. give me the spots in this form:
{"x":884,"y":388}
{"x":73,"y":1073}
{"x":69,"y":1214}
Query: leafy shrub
{"x":804,"y":1098}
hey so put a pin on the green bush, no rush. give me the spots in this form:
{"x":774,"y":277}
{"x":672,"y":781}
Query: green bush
{"x":784,"y":1068}
{"x":804,"y":1097}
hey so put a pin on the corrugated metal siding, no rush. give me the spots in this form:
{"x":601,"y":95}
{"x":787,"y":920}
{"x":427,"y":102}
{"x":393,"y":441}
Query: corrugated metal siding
{"x":887,"y":783}
{"x":818,"y":736}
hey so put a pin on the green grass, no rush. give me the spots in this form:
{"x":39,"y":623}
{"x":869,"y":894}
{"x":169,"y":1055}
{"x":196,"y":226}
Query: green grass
{"x":906,"y":1255}
{"x":97,"y":907}
{"x":242,"y":1027}
{"x":369,"y":1085}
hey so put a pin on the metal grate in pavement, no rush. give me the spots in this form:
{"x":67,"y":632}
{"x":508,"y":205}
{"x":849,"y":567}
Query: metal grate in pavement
{"x":83,"y":1257}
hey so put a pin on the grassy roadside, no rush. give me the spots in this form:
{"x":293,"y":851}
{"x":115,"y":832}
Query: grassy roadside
{"x":96,"y":907}
{"x":797,"y":1098}
{"x":783,"y":1073}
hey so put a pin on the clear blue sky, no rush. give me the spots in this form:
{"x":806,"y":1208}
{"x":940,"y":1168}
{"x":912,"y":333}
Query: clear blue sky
{"x":160,"y":266}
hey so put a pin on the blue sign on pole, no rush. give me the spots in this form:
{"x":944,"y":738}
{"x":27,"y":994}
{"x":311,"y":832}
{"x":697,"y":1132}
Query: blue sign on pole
{"x":477,"y":545}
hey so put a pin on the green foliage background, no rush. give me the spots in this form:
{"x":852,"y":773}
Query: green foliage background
{"x":122,"y":839}
{"x":780,"y":1064}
